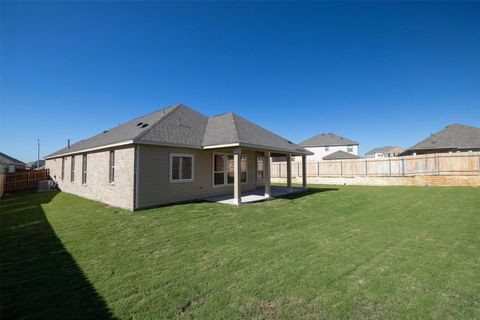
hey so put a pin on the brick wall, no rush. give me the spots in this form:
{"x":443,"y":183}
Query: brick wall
{"x":120,"y":193}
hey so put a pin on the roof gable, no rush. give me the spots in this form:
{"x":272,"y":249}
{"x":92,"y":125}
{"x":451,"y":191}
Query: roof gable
{"x":340,"y":154}
{"x":327,"y":139}
{"x":220,"y":130}
{"x":231,"y":128}
{"x":182,"y":126}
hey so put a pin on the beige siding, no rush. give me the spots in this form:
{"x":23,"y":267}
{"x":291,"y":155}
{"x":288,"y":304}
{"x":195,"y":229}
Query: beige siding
{"x":156,"y":189}
{"x":119,"y":194}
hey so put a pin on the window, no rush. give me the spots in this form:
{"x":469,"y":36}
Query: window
{"x":63,"y":168}
{"x":218,"y":169}
{"x":72,"y":169}
{"x":181,"y":167}
{"x":260,"y":170}
{"x":349,"y":148}
{"x":111,"y":167}
{"x":243,"y":168}
{"x":223,"y":169}
{"x":327,"y":149}
{"x":84,"y":169}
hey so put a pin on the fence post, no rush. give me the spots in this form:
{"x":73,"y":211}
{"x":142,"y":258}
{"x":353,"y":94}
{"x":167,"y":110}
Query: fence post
{"x":341,"y":168}
{"x":438,"y":164}
{"x":366,"y":168}
{"x":478,"y":164}
{"x":403,"y":167}
{"x":298,"y":169}
{"x":389,"y":166}
{"x":318,"y":168}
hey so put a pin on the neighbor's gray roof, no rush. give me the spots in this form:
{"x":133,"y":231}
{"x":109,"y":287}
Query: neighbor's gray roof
{"x":6,"y":159}
{"x":327,"y":139}
{"x":455,"y":136}
{"x":338,"y":155}
{"x":182,"y":126}
{"x":33,"y":164}
{"x":380,"y":150}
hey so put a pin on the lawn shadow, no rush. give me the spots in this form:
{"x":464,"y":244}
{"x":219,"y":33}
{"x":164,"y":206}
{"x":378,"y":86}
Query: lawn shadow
{"x":39,"y":277}
{"x":309,"y":192}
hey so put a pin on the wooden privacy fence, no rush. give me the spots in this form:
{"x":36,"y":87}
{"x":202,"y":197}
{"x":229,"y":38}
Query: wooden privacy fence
{"x":24,"y":180}
{"x":448,"y":164}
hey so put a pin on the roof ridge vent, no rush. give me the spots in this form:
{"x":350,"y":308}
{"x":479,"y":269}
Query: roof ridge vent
{"x":139,"y":124}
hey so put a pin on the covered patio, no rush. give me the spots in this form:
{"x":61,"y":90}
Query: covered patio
{"x":235,"y":135}
{"x":256,"y":195}
{"x":267,"y":191}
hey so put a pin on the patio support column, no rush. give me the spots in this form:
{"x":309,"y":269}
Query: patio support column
{"x":237,"y":191}
{"x":266,"y":171}
{"x":304,"y":171}
{"x":289,"y":172}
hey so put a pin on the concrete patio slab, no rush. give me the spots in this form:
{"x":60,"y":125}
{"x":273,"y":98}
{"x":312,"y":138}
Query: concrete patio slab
{"x":255,"y":195}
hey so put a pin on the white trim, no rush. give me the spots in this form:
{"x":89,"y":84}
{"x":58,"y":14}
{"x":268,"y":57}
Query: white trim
{"x":259,"y":147}
{"x":225,"y":172}
{"x":218,"y":146}
{"x":117,"y":144}
{"x":166,"y":144}
{"x":171,"y":155}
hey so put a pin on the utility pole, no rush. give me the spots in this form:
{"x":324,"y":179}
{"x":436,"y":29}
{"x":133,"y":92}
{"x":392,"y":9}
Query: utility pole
{"x":38,"y":154}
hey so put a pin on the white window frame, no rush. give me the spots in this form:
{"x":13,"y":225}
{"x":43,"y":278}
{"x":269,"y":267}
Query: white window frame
{"x":225,"y":171}
{"x":63,"y":168}
{"x":111,"y":167}
{"x":84,"y":169}
{"x":170,"y":167}
{"x":72,"y":168}
{"x":263,"y":169}
{"x":350,"y":146}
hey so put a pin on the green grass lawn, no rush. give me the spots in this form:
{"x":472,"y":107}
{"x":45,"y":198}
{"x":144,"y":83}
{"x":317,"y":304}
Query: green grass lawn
{"x":336,"y":252}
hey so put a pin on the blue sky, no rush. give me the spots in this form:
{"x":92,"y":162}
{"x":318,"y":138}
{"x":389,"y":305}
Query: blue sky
{"x":381,"y":73}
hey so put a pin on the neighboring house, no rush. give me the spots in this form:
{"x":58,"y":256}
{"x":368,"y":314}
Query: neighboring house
{"x":382,"y":152}
{"x":327,"y":143}
{"x":341,"y":155}
{"x":36,"y":165}
{"x":172,"y":155}
{"x":454,"y":138}
{"x":9,"y":164}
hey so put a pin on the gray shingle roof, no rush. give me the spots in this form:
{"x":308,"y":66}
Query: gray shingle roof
{"x":6,"y":159}
{"x":379,"y":150}
{"x":127,"y":131}
{"x":231,"y":128}
{"x":182,"y":126}
{"x":453,"y":137}
{"x":338,"y":155}
{"x":327,"y":139}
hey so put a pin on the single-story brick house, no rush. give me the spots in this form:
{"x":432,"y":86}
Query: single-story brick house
{"x":171,"y":155}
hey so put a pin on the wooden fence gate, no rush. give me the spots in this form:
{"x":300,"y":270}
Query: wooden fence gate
{"x":24,"y":180}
